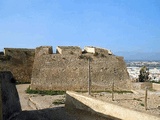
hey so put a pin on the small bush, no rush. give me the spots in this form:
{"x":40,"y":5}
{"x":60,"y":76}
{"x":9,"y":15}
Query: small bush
{"x":59,"y":101}
{"x":142,"y":104}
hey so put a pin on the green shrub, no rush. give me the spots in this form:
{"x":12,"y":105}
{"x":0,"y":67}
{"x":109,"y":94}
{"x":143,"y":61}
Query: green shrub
{"x":142,"y":104}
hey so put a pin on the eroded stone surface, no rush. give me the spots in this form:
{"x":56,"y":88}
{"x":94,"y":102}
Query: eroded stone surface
{"x":69,"y":71}
{"x":19,"y":62}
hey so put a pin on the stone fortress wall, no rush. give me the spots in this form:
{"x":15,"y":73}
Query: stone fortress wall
{"x":19,"y":62}
{"x":68,"y":69}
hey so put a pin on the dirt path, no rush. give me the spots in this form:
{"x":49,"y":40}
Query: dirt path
{"x":24,"y":98}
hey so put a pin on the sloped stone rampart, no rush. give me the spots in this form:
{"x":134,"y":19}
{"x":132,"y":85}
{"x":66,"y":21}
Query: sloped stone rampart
{"x":19,"y":62}
{"x":70,"y":72}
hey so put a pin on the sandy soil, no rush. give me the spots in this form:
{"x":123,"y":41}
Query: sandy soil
{"x":134,"y":100}
{"x":46,"y":110}
{"x":130,"y":100}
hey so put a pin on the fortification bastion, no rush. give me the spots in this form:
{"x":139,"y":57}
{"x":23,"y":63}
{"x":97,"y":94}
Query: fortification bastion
{"x":67,"y":69}
{"x":19,"y":61}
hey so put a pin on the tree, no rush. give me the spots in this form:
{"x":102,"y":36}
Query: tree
{"x":144,"y":74}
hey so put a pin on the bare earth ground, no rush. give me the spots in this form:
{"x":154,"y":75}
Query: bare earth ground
{"x":134,"y":100}
{"x":48,"y":110}
{"x":41,"y":101}
{"x":130,"y":100}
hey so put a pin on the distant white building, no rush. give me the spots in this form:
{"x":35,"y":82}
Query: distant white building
{"x":154,"y":74}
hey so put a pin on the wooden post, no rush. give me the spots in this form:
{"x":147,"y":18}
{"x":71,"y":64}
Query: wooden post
{"x":146,"y":94}
{"x":89,"y":78}
{"x":113,"y":90}
{"x":113,"y":85}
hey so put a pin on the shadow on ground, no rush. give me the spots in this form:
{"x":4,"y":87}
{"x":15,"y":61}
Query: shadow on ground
{"x":10,"y":108}
{"x":58,"y":113}
{"x":45,"y":114}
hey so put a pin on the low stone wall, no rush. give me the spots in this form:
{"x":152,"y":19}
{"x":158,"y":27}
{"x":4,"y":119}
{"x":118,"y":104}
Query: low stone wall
{"x":155,"y":86}
{"x":77,"y":101}
{"x":141,"y":85}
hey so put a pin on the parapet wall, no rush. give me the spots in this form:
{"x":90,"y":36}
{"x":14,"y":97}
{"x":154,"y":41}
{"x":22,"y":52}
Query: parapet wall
{"x":19,"y":62}
{"x":70,"y":71}
{"x":95,"y":50}
{"x":87,"y":103}
{"x":69,"y":50}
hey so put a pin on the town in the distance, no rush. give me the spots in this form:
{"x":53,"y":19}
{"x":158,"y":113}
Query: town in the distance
{"x":134,"y":67}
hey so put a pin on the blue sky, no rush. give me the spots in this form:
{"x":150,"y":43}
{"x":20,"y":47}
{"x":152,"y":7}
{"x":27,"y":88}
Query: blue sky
{"x":119,"y":25}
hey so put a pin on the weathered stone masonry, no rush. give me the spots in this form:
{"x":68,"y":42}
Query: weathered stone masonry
{"x":68,"y":69}
{"x":19,"y":62}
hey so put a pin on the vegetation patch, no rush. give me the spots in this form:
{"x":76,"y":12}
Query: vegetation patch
{"x":137,"y":99}
{"x":155,"y":82}
{"x":59,"y":101}
{"x":108,"y":91}
{"x":85,"y":57}
{"x":44,"y":92}
{"x":122,"y":92}
{"x":18,"y":82}
{"x":142,"y":104}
